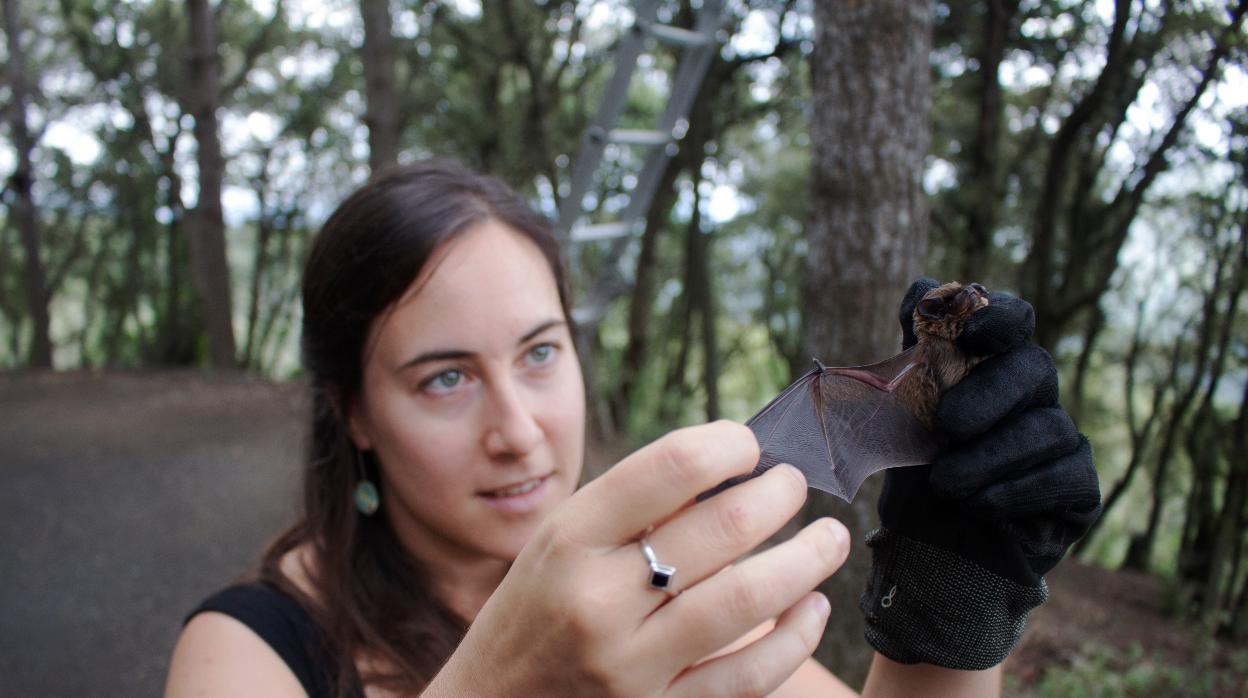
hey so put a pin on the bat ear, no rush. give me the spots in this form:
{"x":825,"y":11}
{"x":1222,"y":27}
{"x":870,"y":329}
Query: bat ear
{"x":905,"y":314}
{"x":931,"y":308}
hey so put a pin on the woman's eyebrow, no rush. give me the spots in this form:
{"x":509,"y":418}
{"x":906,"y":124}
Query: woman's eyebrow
{"x":540,"y":329}
{"x":449,"y":354}
{"x":435,"y":355}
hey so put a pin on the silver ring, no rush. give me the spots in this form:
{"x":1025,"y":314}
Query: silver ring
{"x":661,"y":575}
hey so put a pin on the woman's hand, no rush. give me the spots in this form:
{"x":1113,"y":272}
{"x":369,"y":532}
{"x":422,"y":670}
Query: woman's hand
{"x":576,"y":615}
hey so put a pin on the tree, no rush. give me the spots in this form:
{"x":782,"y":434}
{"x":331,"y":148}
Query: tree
{"x":867,"y":234}
{"x":207,"y":222}
{"x":378,"y":56}
{"x":21,"y":183}
{"x":1063,"y":283}
{"x":1043,"y":155}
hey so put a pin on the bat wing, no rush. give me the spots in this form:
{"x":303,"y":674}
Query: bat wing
{"x":840,"y":425}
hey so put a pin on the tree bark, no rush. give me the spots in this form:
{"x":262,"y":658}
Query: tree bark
{"x":697,"y":253}
{"x":381,"y":113}
{"x":986,"y":147}
{"x":868,"y":231}
{"x":207,"y":228}
{"x":642,"y":299}
{"x":1091,"y":332}
{"x":264,"y":231}
{"x":24,"y":212}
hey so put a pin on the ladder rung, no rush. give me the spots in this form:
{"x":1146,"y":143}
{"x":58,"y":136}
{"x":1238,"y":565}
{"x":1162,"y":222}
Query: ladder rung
{"x":601,"y":231}
{"x":634,"y":136}
{"x":678,"y":36}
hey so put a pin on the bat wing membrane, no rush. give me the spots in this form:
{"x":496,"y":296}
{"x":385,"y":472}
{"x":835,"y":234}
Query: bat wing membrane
{"x":840,"y":425}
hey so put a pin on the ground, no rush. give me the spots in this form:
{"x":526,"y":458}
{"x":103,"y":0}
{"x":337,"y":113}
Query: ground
{"x":1107,"y":633}
{"x":128,"y":497}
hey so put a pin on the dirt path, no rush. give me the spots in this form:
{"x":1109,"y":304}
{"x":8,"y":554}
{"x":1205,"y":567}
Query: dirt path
{"x":126,"y":498}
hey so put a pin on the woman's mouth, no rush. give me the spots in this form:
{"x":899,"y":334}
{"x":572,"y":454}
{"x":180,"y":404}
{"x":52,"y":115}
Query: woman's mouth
{"x":522,"y":488}
{"x":519,"y":498}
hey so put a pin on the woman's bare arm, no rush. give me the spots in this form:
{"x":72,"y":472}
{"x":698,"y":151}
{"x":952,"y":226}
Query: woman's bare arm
{"x":217,"y":655}
{"x":888,"y":678}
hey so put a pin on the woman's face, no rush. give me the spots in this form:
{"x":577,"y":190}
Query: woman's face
{"x":472,"y":399}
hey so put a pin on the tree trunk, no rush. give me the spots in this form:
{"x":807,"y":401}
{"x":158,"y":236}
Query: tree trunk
{"x":264,"y":231}
{"x":24,"y":213}
{"x":207,"y":228}
{"x":697,"y":255}
{"x":986,"y":147}
{"x":1139,"y":552}
{"x":1091,"y":332}
{"x":1141,"y":434}
{"x":642,"y":299}
{"x":868,"y":231}
{"x":1235,"y":623}
{"x":381,"y":113}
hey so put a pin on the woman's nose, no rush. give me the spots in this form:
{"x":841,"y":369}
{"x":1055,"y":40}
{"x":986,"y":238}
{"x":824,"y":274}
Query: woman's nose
{"x":512,"y":429}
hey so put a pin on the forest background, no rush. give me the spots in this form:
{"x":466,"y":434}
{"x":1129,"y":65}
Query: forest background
{"x":166,"y":164}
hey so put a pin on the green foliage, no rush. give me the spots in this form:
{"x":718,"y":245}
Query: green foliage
{"x":1103,"y":672}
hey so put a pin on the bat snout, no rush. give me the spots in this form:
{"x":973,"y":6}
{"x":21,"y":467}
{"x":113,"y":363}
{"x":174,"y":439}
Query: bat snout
{"x":969,"y":298}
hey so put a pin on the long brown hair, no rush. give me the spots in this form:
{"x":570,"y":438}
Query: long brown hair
{"x":373,"y":598}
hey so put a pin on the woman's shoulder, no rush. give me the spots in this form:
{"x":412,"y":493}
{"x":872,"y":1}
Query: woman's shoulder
{"x":220,"y":653}
{"x":252,"y":635}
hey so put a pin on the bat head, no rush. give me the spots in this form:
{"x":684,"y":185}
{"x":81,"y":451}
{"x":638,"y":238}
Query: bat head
{"x":943,"y":310}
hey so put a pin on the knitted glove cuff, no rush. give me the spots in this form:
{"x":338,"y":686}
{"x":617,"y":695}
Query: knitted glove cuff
{"x":924,"y":604}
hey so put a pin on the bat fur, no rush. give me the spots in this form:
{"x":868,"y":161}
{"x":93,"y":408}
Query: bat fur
{"x":938,"y":363}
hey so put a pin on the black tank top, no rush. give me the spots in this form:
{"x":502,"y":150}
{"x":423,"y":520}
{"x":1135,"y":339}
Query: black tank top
{"x":284,"y":624}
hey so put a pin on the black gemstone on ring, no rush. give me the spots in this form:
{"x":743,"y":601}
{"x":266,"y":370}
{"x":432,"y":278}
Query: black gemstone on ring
{"x":661,"y":575}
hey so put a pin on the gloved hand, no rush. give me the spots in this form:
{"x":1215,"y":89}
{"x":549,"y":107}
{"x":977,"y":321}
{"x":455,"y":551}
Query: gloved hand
{"x":964,"y":542}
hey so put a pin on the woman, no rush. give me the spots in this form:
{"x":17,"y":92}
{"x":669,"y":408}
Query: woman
{"x":442,"y":550}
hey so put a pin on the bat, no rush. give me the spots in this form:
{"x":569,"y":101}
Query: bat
{"x":841,"y":425}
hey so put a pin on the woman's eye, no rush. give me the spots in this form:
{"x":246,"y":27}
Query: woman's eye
{"x":541,"y":353}
{"x":445,"y":380}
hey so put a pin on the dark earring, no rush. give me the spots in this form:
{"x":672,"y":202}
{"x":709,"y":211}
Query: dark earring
{"x":367,"y":501}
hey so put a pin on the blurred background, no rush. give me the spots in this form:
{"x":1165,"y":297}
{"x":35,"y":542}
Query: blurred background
{"x":165,"y":164}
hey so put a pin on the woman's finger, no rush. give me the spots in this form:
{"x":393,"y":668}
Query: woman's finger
{"x":760,"y":667}
{"x":703,"y":539}
{"x":654,"y":482}
{"x":710,"y":615}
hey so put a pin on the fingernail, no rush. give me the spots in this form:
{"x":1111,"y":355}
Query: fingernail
{"x":839,"y":532}
{"x":823,"y":607}
{"x":794,"y":472}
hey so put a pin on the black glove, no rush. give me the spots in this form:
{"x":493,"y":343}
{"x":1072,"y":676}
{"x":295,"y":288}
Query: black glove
{"x":964,"y":542}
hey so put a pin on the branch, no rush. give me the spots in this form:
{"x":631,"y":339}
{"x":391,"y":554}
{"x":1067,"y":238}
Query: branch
{"x":251,"y":53}
{"x":1131,"y":197}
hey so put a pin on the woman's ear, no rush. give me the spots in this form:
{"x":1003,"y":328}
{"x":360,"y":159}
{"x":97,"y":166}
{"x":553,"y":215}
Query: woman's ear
{"x":357,"y":428}
{"x":350,"y":414}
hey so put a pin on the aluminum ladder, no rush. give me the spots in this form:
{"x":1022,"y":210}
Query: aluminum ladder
{"x":697,"y":49}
